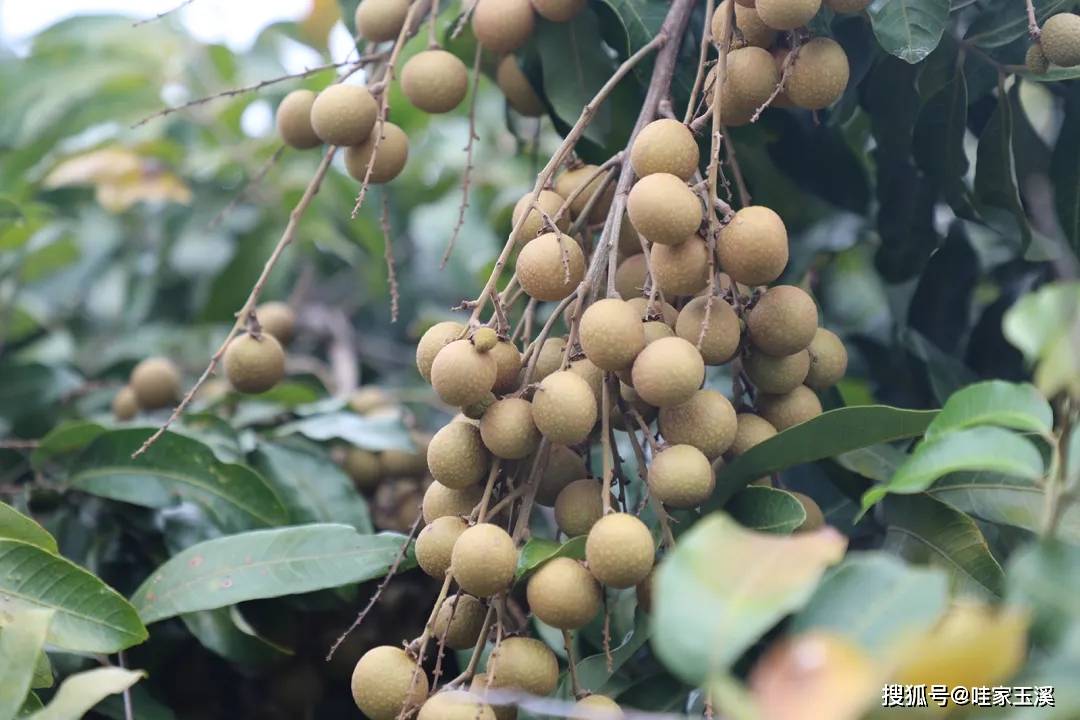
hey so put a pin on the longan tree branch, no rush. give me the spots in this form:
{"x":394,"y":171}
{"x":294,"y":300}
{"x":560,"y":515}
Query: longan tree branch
{"x":388,"y":256}
{"x":703,"y":55}
{"x":161,"y":15}
{"x":466,"y":175}
{"x":1033,"y":22}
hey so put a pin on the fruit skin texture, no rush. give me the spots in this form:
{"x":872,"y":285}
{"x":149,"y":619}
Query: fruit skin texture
{"x":570,"y":180}
{"x":483,"y":560}
{"x":550,"y":358}
{"x":508,"y":430}
{"x":750,"y":79}
{"x":435,"y":81}
{"x":665,"y":146}
{"x":786,"y":14}
{"x":753,"y":247}
{"x":777,"y":374}
{"x":847,"y":7}
{"x":558,"y":10}
{"x":679,"y":269}
{"x":524,"y":664}
{"x":479,"y":687}
{"x":382,"y":683}
{"x":344,"y":114}
{"x":519,"y":92}
{"x":363,"y":467}
{"x":564,"y":408}
{"x":819,"y":74}
{"x":254,"y":365}
{"x":612,"y":334}
{"x":435,"y":543}
{"x":549,"y":202}
{"x":722,"y":334}
{"x":457,"y":456}
{"x":507,"y":367}
{"x":663,"y":209}
{"x":783,"y":321}
{"x":659,"y":310}
{"x":705,"y":421}
{"x":155,"y":382}
{"x":563,"y":594}
{"x":587,"y":371}
{"x":278,"y":319}
{"x":441,"y":501}
{"x":668,"y":372}
{"x":750,"y":430}
{"x":503,"y":26}
{"x":461,"y":375}
{"x":294,"y":120}
{"x":432,"y":341}
{"x":1035,"y":60}
{"x":460,"y":619}
{"x":390,"y":157}
{"x":630,"y":276}
{"x":563,"y":467}
{"x":124,"y":404}
{"x":792,"y":408}
{"x":1060,"y":39}
{"x":814,"y":517}
{"x":540,"y":268}
{"x":754,"y":31}
{"x":455,"y":705}
{"x":596,"y":707}
{"x":620,"y":550}
{"x":681,"y":476}
{"x":578,"y":507}
{"x":381,"y":20}
{"x":828,"y":360}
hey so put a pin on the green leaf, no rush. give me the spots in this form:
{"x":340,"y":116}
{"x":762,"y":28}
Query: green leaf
{"x":594,"y":672}
{"x":20,"y":644}
{"x":874,"y":599}
{"x":90,"y":616}
{"x":995,"y":166}
{"x":43,"y":672}
{"x":1006,"y":21}
{"x":922,"y":529}
{"x":33,"y":704}
{"x":16,"y":526}
{"x":875,"y":462}
{"x":710,"y":605}
{"x":909,"y":29}
{"x":1045,"y":577}
{"x":65,"y":438}
{"x":938,"y":142}
{"x":995,"y":402}
{"x":264,"y":564}
{"x":79,"y":693}
{"x":538,"y":551}
{"x":176,"y":467}
{"x":369,"y":433}
{"x":218,"y":631}
{"x":766,"y":509}
{"x":1065,"y":171}
{"x":1041,"y":317}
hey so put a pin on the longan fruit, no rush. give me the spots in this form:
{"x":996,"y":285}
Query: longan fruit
{"x":681,"y":476}
{"x":406,"y":462}
{"x":558,"y":10}
{"x":550,"y":267}
{"x":663,"y":209}
{"x":753,"y":247}
{"x":525,"y":664}
{"x":705,"y":421}
{"x":828,"y":360}
{"x":484,"y":560}
{"x":579,"y":506}
{"x":381,"y":20}
{"x":385,"y":680}
{"x":278,"y":319}
{"x":362,"y":466}
{"x":155,"y":382}
{"x":680,"y":269}
{"x":344,"y":114}
{"x":1035,"y":59}
{"x":507,"y":367}
{"x":783,"y":321}
{"x":568,"y":183}
{"x":502,"y":26}
{"x":519,"y":92}
{"x":457,"y":456}
{"x":459,"y":620}
{"x":390,"y":156}
{"x":455,"y":705}
{"x":461,"y":375}
{"x":547,"y":201}
{"x":776,"y":375}
{"x":818,"y":75}
{"x":747,"y":22}
{"x":750,"y":430}
{"x":620,"y":550}
{"x":668,"y":372}
{"x":786,"y":14}
{"x":665,"y":146}
{"x":508,"y":430}
{"x":549,"y":357}
{"x":124,"y":404}
{"x":479,"y":687}
{"x":749,"y":81}
{"x":721,"y":339}
{"x":367,"y":399}
{"x":596,"y":707}
{"x":611,"y":334}
{"x":293,"y":119}
{"x":435,"y":543}
{"x":814,"y":517}
{"x":633,"y":401}
{"x":441,"y":501}
{"x":847,"y":7}
{"x":659,"y":310}
{"x":584,"y":368}
{"x":629,"y":240}
{"x":432,"y":341}
{"x":254,"y":364}
{"x":435,"y":81}
{"x":564,"y":408}
{"x":1060,"y":39}
{"x":654,"y":330}
{"x":630,"y":276}
{"x":790,"y":408}
{"x":563,"y":467}
{"x":563,"y":594}
{"x":484,"y":339}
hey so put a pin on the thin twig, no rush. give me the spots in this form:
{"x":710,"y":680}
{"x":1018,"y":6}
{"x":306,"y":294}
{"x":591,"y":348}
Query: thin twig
{"x":568,"y":644}
{"x":1033,"y":22}
{"x":252,"y":182}
{"x":785,"y":73}
{"x":466,"y":176}
{"x":129,"y":713}
{"x":161,"y":15}
{"x":706,"y":30}
{"x":388,"y":256}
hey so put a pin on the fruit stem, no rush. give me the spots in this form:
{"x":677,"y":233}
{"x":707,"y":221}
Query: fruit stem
{"x":699,"y":77}
{"x":422,"y":642}
{"x":571,"y":661}
{"x":467,"y":174}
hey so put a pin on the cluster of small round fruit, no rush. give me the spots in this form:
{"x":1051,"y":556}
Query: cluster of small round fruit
{"x":1057,"y":43}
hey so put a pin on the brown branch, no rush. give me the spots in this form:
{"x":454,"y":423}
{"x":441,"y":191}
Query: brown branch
{"x":571,"y":662}
{"x":253,"y":181}
{"x":161,"y":15}
{"x":703,"y":56}
{"x":785,"y":73}
{"x":1033,"y":22}
{"x":473,"y":137}
{"x":388,"y":256}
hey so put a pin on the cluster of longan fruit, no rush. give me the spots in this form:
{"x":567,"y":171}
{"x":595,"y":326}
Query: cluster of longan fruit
{"x":1058,"y":44}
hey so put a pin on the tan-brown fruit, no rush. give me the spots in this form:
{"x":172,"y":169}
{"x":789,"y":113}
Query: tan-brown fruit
{"x":654,"y":330}
{"x":459,"y":621}
{"x":584,"y":368}
{"x":368,"y":399}
{"x":435,"y":81}
{"x":484,"y":339}
{"x":278,"y":319}
{"x":548,"y":203}
{"x":479,"y":687}
{"x":441,"y":501}
{"x":542,"y":271}
{"x":819,"y":74}
{"x":750,"y":27}
{"x":525,"y":664}
{"x":476,"y":410}
{"x":620,"y":550}
{"x":611,"y":333}
{"x":461,"y":375}
{"x":596,"y":707}
{"x":390,"y":156}
{"x":344,"y":114}
{"x":432,"y":341}
{"x":791,"y":408}
{"x":563,"y":594}
{"x":1035,"y":60}
{"x":549,"y":358}
{"x":406,"y":463}
{"x":518,"y":90}
{"x":721,"y":339}
{"x":435,"y":543}
{"x":558,"y":10}
{"x":632,"y":400}
{"x":484,"y":560}
{"x":254,"y":365}
{"x":630,"y":276}
{"x":681,"y":476}
{"x":668,"y":372}
{"x":749,"y":81}
{"x":567,"y":183}
{"x":564,"y":408}
{"x":381,"y":20}
{"x":680,"y":269}
{"x":1060,"y":39}
{"x":814,"y":517}
{"x":783,"y":321}
{"x":507,"y":367}
{"x":664,"y":209}
{"x":750,"y":430}
{"x":705,"y":421}
{"x":385,"y":680}
{"x":508,"y":430}
{"x":363,"y":467}
{"x":665,"y":146}
{"x":786,"y":14}
{"x":629,"y":240}
{"x":156,"y":383}
{"x":457,"y":456}
{"x":294,"y":120}
{"x":659,"y":310}
{"x":847,"y":7}
{"x":828,"y":360}
{"x":455,"y":705}
{"x":124,"y":404}
{"x":502,"y":26}
{"x":776,"y":375}
{"x":578,"y":507}
{"x":753,"y":247}
{"x":643,"y":592}
{"x":563,"y":467}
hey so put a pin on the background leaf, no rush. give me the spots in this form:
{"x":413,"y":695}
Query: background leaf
{"x":538,"y":551}
{"x":766,"y":509}
{"x":16,"y":526}
{"x":79,"y":693}
{"x":20,"y":644}
{"x":374,"y":433}
{"x":1013,"y":405}
{"x":909,"y":29}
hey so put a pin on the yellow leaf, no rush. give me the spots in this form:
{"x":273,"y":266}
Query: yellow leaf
{"x":106,"y":164}
{"x":121,"y":178}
